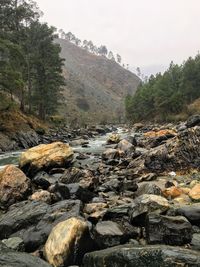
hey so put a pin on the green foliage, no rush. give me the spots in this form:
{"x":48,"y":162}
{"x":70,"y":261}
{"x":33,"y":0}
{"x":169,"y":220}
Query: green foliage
{"x":30,"y":65}
{"x":164,"y":96}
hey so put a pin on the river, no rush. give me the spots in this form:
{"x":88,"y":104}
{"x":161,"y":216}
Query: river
{"x":95,"y":146}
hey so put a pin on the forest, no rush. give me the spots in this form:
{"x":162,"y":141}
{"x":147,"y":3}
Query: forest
{"x":167,"y":96}
{"x":30,"y":65}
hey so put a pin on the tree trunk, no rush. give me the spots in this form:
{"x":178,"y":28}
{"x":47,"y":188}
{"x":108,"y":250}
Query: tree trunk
{"x":42,"y":113}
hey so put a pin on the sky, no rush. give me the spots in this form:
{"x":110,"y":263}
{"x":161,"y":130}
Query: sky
{"x":147,"y":33}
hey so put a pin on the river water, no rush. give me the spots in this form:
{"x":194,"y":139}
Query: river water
{"x":95,"y":146}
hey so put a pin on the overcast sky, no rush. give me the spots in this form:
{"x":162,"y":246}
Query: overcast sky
{"x":146,"y":33}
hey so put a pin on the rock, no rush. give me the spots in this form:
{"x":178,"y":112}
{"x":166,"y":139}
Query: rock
{"x":149,"y":188}
{"x":113,"y":139}
{"x":84,"y":177}
{"x":33,"y":221}
{"x":138,"y":125}
{"x":111,"y":185}
{"x":148,"y":256}
{"x":168,"y":230}
{"x":182,"y":200}
{"x":193,"y":121}
{"x":165,"y":132}
{"x":42,"y":179}
{"x":129,"y":185}
{"x":19,"y":259}
{"x":145,"y":204}
{"x":6,"y":144}
{"x":61,"y":191}
{"x":14,"y":185}
{"x":172,"y":192}
{"x":79,"y":142}
{"x":95,"y":211}
{"x":14,"y":243}
{"x":100,"y":130}
{"x":67,"y":243}
{"x":119,"y":212}
{"x":191,"y":212}
{"x":45,"y":157}
{"x":27,"y":139}
{"x":71,"y":175}
{"x":148,"y":177}
{"x":126,"y":147}
{"x":108,"y":234}
{"x":78,"y":192}
{"x":179,"y":153}
{"x":195,"y":243}
{"x":131,"y":139}
{"x":42,"y":195}
{"x":194,"y":193}
{"x":112,"y":153}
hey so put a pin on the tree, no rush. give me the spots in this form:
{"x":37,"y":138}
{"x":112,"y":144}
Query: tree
{"x":119,"y":59}
{"x":47,"y":77}
{"x":85,"y":45}
{"x":30,"y":66}
{"x":111,"y":56}
{"x":138,"y":71}
{"x":102,"y":50}
{"x":77,"y":42}
{"x":90,"y":46}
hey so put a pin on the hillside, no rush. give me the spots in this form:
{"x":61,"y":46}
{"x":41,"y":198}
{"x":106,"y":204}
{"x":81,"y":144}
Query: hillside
{"x":95,"y":86}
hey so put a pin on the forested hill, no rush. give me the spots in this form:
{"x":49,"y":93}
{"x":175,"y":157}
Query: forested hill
{"x":174,"y":95}
{"x":95,"y":86}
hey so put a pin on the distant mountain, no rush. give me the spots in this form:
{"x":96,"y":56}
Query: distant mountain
{"x":95,"y":86}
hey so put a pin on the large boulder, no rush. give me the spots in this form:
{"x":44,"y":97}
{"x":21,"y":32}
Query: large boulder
{"x":108,"y":234}
{"x":179,"y":153}
{"x":11,"y":258}
{"x":20,"y":259}
{"x":191,"y":212}
{"x":14,"y":185}
{"x":45,"y":157}
{"x":148,"y":256}
{"x":168,"y":230}
{"x":66,"y":243}
{"x":145,"y":204}
{"x":33,"y":221}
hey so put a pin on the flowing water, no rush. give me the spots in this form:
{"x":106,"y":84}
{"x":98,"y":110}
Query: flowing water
{"x":95,"y":146}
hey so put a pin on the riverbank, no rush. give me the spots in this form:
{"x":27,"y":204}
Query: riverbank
{"x":122,"y":199}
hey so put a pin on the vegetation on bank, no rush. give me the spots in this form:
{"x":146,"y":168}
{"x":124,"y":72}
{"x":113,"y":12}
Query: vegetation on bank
{"x":30,"y":65}
{"x":167,"y":96}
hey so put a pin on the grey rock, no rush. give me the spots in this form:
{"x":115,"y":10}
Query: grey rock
{"x":14,"y":243}
{"x":33,"y":221}
{"x":145,"y":204}
{"x":108,"y":234}
{"x":193,"y":121}
{"x":195,"y":243}
{"x":168,"y":230}
{"x":191,"y":212}
{"x":148,"y":256}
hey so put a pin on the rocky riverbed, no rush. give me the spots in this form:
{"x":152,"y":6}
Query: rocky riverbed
{"x":128,"y":198}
